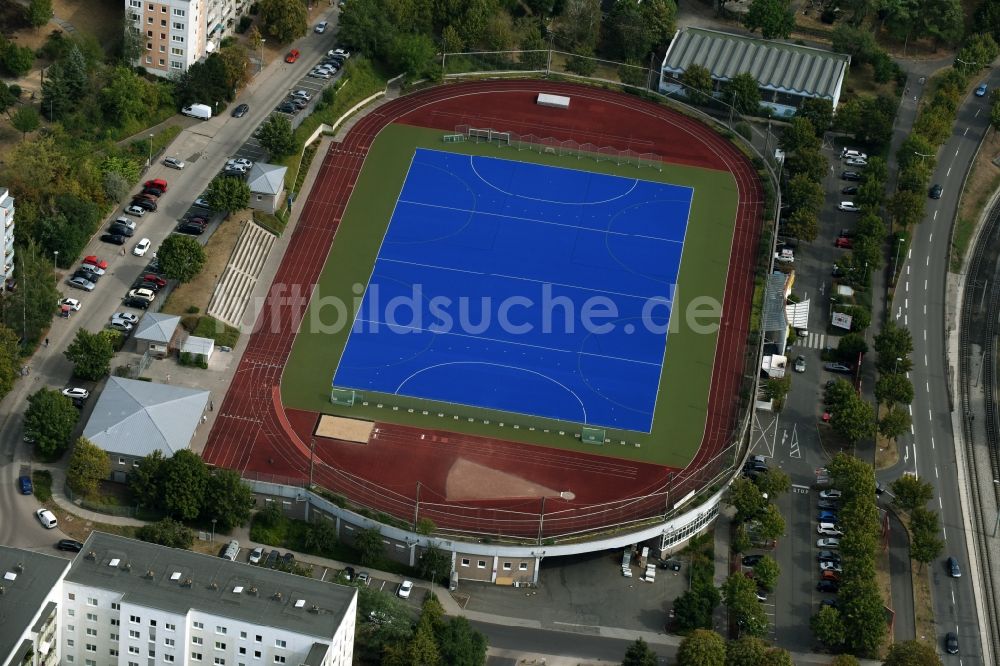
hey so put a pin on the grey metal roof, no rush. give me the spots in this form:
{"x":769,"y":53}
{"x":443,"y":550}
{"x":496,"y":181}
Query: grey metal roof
{"x":157,"y":327}
{"x":266,"y":178}
{"x":774,"y":302}
{"x":198,"y":345}
{"x":135,"y":418}
{"x":24,"y":596}
{"x":268,"y":597}
{"x":776,"y":66}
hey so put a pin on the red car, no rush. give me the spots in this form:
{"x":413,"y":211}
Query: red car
{"x":844,"y":242}
{"x":292,"y":56}
{"x":155,"y":279}
{"x":94,"y":261}
{"x":158,"y":183}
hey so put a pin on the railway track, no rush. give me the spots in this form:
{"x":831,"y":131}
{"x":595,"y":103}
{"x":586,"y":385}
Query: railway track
{"x":979,"y":327}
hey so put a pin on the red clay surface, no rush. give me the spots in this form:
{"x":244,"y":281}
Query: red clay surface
{"x":402,"y":465}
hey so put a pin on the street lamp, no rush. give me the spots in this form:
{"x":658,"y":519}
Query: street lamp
{"x":213,"y":530}
{"x":895,"y":368}
{"x":149,"y":162}
{"x":260,"y":62}
{"x":921,"y":156}
{"x":55,"y":260}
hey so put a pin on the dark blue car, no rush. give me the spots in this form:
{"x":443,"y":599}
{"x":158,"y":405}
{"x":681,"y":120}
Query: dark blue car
{"x":827,"y":517}
{"x":24,"y":483}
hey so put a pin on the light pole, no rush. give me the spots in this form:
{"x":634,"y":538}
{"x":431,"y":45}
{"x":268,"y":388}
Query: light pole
{"x":895,"y":367}
{"x":213,"y":530}
{"x":921,"y":156}
{"x":260,"y":62}
{"x":149,"y":162}
{"x":55,"y":260}
{"x":997,"y":523}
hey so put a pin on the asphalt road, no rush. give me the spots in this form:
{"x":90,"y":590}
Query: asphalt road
{"x":919,"y":304}
{"x":204,"y":146}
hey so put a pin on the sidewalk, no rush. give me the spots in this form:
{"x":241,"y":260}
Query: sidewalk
{"x":59,"y":497}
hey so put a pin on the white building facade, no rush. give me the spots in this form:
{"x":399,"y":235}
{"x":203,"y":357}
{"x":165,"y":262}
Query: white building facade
{"x":7,"y":239}
{"x":175,"y":34}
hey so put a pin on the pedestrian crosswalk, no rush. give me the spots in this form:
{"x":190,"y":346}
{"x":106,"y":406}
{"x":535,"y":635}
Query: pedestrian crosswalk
{"x":818,"y":341}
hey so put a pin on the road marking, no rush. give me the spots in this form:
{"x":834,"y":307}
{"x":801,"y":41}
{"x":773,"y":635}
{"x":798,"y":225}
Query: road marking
{"x":925,"y":362}
{"x":916,"y":470}
{"x":977,"y":113}
{"x":925,"y":305}
{"x":793,"y":448}
{"x":907,"y":269}
{"x":906,"y":303}
{"x":912,"y":432}
{"x":906,"y":320}
{"x":953,"y":597}
{"x":907,"y":285}
{"x":940,"y":504}
{"x":936,"y":472}
{"x":802,"y":490}
{"x":935,"y":212}
{"x":909,"y":253}
{"x":928,"y":262}
{"x":906,"y":453}
{"x":899,"y":313}
{"x":931,"y":237}
{"x":963,"y":134}
{"x":910,"y":407}
{"x":925,"y":288}
{"x":930,"y":415}
{"x":927,"y":384}
{"x":945,"y":533}
{"x":932,"y":446}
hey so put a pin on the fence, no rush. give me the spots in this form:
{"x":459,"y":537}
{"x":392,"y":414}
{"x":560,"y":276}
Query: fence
{"x":551,"y":146}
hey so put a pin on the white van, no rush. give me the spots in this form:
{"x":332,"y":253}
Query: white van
{"x":232,"y":550}
{"x":202,"y":111}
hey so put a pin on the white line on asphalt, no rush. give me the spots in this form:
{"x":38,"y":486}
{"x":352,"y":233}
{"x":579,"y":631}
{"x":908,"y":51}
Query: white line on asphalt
{"x":906,"y":320}
{"x":899,"y":313}
{"x":930,"y":415}
{"x":909,"y":253}
{"x":945,"y":533}
{"x":977,"y":113}
{"x":940,"y":503}
{"x":925,"y":356}
{"x":912,"y":431}
{"x":906,"y":303}
{"x":953,"y":597}
{"x":963,"y":134}
{"x":935,"y":472}
{"x":928,"y":385}
{"x":906,"y":453}
{"x":928,"y":262}
{"x":931,"y":237}
{"x":907,"y":285}
{"x":925,"y":288}
{"x":916,"y":470}
{"x":957,"y":149}
{"x":935,"y":212}
{"x":907,"y":269}
{"x":911,"y":409}
{"x":932,"y":446}
{"x":925,"y":340}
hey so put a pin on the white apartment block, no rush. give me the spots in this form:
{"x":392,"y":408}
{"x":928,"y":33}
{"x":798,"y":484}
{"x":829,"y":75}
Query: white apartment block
{"x":123,"y":602}
{"x":7,"y":238}
{"x":178,"y":33}
{"x":29,"y":607}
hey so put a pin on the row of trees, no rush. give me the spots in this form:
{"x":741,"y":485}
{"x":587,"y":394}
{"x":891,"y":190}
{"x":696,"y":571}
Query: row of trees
{"x":893,"y":388}
{"x":804,"y":170}
{"x":911,"y":495}
{"x":185,"y":488}
{"x":857,"y":624}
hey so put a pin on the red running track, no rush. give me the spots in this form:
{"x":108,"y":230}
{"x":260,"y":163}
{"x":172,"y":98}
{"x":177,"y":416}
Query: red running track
{"x":256,"y":435}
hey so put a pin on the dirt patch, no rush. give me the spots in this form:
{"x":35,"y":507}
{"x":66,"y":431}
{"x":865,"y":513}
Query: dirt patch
{"x":219,"y":248}
{"x":922,"y":608}
{"x":983,"y":181}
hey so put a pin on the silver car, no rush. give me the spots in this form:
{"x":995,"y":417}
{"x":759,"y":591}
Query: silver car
{"x":81,"y":283}
{"x":174,"y":163}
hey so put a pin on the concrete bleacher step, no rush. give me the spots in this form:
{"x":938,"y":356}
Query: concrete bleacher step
{"x":232,"y":294}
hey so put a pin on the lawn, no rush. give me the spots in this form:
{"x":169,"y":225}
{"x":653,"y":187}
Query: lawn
{"x":681,"y":410}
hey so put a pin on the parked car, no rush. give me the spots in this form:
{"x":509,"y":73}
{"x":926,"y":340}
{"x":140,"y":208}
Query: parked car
{"x":145,"y":204}
{"x":141,"y":293}
{"x":142,"y":284}
{"x":800,"y":364}
{"x":349,"y":573}
{"x":339,"y":52}
{"x":152,"y":191}
{"x":321,"y":27}
{"x":81,"y":283}
{"x":843,"y":243}
{"x":320,"y":74}
{"x":120,"y":326}
{"x":138,"y":211}
{"x":981,"y":90}
{"x":126,"y":316}
{"x":364,"y":578}
{"x":272,"y":560}
{"x":405,"y":588}
{"x":301,"y":94}
{"x":850,"y":175}
{"x":829,"y":565}
{"x":935,"y":192}
{"x":298,"y":103}
{"x":827,"y":586}
{"x":86,"y":275}
{"x":24,"y":483}
{"x":953,"y":569}
{"x":830,"y":574}
{"x":191,"y":228}
{"x":202,"y":202}
{"x":828,"y":529}
{"x":139,"y":303}
{"x":114,"y":239}
{"x":850,"y":189}
{"x":827,"y":517}
{"x":951,"y":638}
{"x":241,"y":110}
{"x":827,"y":504}
{"x":828,"y":555}
{"x":752,"y":560}
{"x":287,"y":107}
{"x":856,"y":162}
{"x":156,"y":182}
{"x":850,"y":153}
{"x":120,"y":229}
{"x":156,"y":279}
{"x":849,"y":206}
{"x":69,"y":545}
{"x":46,"y":518}
{"x":292,"y":56}
{"x":837,"y":367}
{"x":830,"y":494}
{"x":141,"y":247}
{"x":70,"y":303}
{"x":174,"y":163}
{"x":255,"y":555}
{"x":76,"y":392}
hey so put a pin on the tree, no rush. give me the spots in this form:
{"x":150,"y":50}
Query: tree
{"x":694,"y":608}
{"x":701,"y":648}
{"x":855,"y":420}
{"x":799,"y":136}
{"x":894,"y":344}
{"x":184,"y":480}
{"x":276,"y":137}
{"x":167,"y":532}
{"x":627,"y":33}
{"x":181,"y":257}
{"x":119,"y":100}
{"x":747,"y":499}
{"x":49,"y":421}
{"x":227,"y":500}
{"x":228,"y":194}
{"x":39,"y":12}
{"x":743,"y":93}
{"x":283,"y":20}
{"x":460,"y":644}
{"x":91,"y":353}
{"x":845,"y":660}
{"x":640,"y":654}
{"x":912,"y":653}
{"x":698,"y":84}
{"x":10,"y":360}
{"x":910,"y":492}
{"x":894,"y":389}
{"x":740,"y":596}
{"x":320,"y":537}
{"x":827,"y":626}
{"x":907,"y":208}
{"x":370,"y":546}
{"x":434,"y":563}
{"x":423,"y":648}
{"x":774,"y":18}
{"x":819,"y":112}
{"x":16,"y":60}
{"x":88,"y":466}
{"x":146,"y":481}
{"x":802,"y":224}
{"x":804,"y":193}
{"x":868,"y":118}
{"x":236,"y":63}
{"x":578,"y":27}
{"x":25,"y":120}
{"x":770,"y":525}
{"x":132,"y":43}
{"x":894,"y":423}
{"x":766,"y":572}
{"x":75,"y":68}
{"x":851,"y":346}
{"x":745,"y":651}
{"x":56,"y":97}
{"x":773,"y":482}
{"x":777,"y":388}
{"x":926,"y":545}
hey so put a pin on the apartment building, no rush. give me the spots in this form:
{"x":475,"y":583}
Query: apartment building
{"x":7,"y":237}
{"x":29,"y":607}
{"x":178,"y":33}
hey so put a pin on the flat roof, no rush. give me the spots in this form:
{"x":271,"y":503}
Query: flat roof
{"x":26,"y":578}
{"x":178,"y":581}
